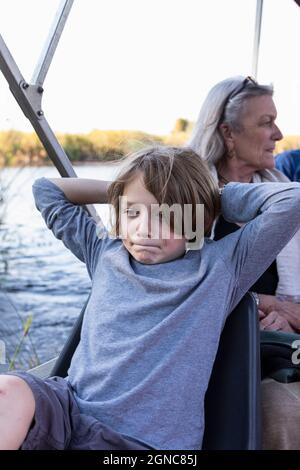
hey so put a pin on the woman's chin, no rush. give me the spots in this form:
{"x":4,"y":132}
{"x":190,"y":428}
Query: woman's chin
{"x":268,"y":163}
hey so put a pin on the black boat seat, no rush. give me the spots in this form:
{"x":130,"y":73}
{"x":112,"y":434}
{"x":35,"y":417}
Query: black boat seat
{"x":232,"y":402}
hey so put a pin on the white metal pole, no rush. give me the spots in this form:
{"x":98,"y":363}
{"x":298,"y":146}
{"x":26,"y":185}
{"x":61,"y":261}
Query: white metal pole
{"x":51,"y":43}
{"x":257,"y":31}
{"x":29,"y":99}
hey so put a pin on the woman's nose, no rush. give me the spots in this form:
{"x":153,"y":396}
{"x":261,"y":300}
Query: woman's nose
{"x":277,"y":135}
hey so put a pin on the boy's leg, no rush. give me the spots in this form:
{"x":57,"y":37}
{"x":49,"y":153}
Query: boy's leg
{"x":52,"y":424}
{"x":44,"y":415}
{"x":17,"y":407}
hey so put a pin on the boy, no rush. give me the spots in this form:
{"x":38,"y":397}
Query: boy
{"x":156,"y":311}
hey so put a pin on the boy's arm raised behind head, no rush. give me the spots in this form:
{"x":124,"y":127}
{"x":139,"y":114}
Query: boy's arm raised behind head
{"x":83,"y":191}
{"x":60,"y":207}
{"x":271,"y":213}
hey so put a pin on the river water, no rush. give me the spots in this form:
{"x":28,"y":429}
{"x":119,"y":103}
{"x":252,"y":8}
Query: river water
{"x":39,"y":278}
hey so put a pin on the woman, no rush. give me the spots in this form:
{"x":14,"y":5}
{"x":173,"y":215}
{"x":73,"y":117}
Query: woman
{"x":236,"y":134}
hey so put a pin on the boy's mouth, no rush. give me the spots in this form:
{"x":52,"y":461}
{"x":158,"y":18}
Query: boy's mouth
{"x":145,"y":242}
{"x":145,"y":246}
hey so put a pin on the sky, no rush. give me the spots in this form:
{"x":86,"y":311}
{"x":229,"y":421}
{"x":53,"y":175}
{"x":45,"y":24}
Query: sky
{"x":141,"y":64}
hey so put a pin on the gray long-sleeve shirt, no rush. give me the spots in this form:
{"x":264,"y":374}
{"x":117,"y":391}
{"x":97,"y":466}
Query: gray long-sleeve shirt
{"x":151,"y":332}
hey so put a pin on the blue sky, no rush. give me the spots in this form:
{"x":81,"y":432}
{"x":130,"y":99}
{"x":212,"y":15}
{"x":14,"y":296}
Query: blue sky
{"x":141,"y":64}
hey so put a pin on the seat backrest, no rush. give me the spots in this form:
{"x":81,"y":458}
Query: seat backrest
{"x":232,"y":402}
{"x":63,"y":362}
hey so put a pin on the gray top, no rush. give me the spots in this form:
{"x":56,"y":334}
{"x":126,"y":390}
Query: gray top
{"x":151,"y":332}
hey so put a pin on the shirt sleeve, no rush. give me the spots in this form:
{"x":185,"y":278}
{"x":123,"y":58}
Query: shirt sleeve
{"x":69,"y":222}
{"x":270,"y":213}
{"x":285,"y":164}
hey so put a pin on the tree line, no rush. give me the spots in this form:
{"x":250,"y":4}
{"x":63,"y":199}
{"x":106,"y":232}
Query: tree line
{"x":22,"y":148}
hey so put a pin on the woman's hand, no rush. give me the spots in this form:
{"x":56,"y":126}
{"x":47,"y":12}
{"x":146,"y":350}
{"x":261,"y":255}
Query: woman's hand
{"x":273,"y":321}
{"x":267,"y":303}
{"x":289,"y":313}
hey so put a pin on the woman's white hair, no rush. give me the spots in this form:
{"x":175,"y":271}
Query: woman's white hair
{"x":223,"y":104}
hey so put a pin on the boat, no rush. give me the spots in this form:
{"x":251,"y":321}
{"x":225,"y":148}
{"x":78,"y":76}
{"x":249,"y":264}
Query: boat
{"x":232,"y":407}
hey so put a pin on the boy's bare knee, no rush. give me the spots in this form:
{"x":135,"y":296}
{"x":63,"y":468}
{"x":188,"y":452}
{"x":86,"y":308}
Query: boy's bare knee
{"x":17,"y":408}
{"x":15,"y":391}
{"x":11,"y":384}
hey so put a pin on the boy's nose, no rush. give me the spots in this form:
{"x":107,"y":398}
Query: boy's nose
{"x":144,"y":227}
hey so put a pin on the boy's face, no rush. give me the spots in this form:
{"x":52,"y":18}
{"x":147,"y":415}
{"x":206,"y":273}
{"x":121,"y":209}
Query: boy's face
{"x":144,"y":234}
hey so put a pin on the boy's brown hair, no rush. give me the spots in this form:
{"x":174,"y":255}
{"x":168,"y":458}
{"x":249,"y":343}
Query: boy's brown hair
{"x":174,"y":176}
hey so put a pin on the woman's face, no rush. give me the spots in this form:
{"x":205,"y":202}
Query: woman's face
{"x":254,"y":144}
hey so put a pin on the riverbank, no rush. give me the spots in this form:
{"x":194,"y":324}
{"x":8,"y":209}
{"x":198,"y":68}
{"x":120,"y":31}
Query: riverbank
{"x":19,"y":148}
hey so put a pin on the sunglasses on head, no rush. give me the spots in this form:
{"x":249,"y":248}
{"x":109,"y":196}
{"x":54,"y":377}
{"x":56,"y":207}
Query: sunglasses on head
{"x":238,"y":90}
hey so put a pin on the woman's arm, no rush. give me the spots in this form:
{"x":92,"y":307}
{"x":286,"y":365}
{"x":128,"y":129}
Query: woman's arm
{"x":82,"y":191}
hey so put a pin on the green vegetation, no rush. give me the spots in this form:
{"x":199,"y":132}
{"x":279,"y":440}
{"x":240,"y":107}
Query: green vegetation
{"x":16,"y":354}
{"x":20,"y":148}
{"x":20,"y":352}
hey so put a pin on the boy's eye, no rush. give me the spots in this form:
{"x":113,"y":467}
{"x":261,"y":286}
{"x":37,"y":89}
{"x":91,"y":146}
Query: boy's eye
{"x":132,"y":212}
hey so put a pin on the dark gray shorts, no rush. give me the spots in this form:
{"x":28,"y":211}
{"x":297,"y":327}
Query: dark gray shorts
{"x":58,"y":423}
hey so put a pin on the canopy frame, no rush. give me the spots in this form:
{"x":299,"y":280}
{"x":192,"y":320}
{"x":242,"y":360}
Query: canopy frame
{"x":257,"y":33}
{"x":29,"y":95}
